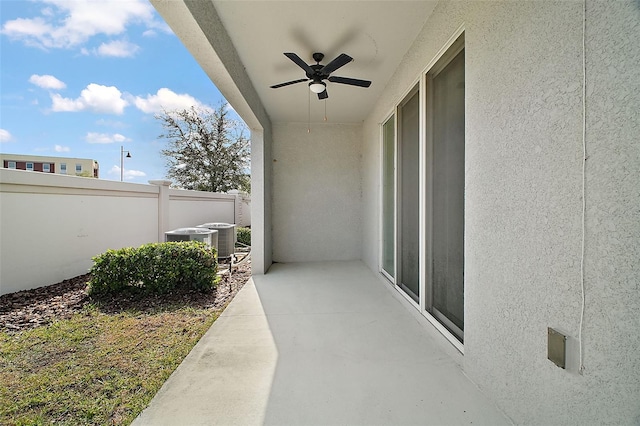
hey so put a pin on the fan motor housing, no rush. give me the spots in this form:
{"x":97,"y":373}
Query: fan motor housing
{"x":316,"y":73}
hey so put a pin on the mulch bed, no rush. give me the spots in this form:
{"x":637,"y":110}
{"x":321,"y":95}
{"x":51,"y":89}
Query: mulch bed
{"x":29,"y":309}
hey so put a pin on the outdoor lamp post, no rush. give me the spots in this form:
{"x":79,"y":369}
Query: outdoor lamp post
{"x":122,"y":151}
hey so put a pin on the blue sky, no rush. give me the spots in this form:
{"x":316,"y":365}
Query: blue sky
{"x":82,"y":78}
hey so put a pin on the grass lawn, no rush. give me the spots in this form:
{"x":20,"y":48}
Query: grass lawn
{"x":96,"y":367}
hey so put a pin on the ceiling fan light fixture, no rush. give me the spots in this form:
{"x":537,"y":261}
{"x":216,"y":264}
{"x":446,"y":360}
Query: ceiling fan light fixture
{"x":317,"y":86}
{"x":316,"y":73}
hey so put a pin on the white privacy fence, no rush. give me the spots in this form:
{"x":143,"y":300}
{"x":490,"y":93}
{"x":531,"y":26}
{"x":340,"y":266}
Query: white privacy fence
{"x":52,"y":225}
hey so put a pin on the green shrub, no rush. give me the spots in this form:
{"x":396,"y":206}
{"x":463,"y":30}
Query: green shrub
{"x":244,"y":236}
{"x":155,"y":268}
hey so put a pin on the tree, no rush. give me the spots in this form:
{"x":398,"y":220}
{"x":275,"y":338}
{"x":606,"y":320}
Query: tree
{"x":207,"y":150}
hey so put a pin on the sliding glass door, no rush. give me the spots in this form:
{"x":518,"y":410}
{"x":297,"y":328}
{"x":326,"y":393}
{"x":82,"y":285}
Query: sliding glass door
{"x":409,"y":195}
{"x":423,"y":184}
{"x":389,"y":198}
{"x":445,"y":187}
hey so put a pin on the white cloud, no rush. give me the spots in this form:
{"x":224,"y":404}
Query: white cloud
{"x":27,"y":29}
{"x":160,"y":25}
{"x":69,"y":23}
{"x":47,"y":82}
{"x":93,"y":137}
{"x":47,"y":11}
{"x":149,"y":33}
{"x":96,"y":98}
{"x":128,"y":174}
{"x":5,"y":136}
{"x":118,"y":48}
{"x":112,"y":123}
{"x":65,"y":104}
{"x":168,"y":100}
{"x":60,"y":148}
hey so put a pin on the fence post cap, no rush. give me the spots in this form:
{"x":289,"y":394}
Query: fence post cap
{"x":160,"y":182}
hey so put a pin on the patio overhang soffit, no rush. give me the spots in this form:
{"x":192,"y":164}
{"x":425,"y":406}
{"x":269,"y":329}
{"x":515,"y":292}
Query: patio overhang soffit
{"x":240,"y":45}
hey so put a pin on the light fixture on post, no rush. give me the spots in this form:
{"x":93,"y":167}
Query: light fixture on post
{"x":122,"y":151}
{"x":317,"y":86}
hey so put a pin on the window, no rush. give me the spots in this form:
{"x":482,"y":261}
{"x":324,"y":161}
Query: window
{"x":11,"y":164}
{"x":389,"y":197}
{"x":63,"y":168}
{"x":422,"y":194}
{"x":400,"y":253}
{"x":409,"y":194}
{"x":30,"y":166}
{"x":445,"y":189}
{"x":46,"y":168}
{"x":78,"y":168}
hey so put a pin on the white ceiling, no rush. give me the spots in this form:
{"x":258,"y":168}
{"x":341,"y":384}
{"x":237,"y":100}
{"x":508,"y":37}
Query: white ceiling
{"x":376,"y":34}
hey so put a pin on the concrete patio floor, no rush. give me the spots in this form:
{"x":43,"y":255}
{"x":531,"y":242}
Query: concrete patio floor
{"x":320,"y":344}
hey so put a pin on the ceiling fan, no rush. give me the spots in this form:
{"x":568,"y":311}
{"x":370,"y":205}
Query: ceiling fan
{"x":316,"y":73}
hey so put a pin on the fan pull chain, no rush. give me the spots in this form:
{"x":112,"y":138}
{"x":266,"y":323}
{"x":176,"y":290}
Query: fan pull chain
{"x":308,"y":111}
{"x":325,"y":109}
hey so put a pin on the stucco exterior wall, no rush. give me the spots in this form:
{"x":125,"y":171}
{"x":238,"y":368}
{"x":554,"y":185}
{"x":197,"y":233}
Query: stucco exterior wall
{"x":261,"y":201}
{"x":523,"y":201}
{"x":52,"y":225}
{"x":191,"y":208}
{"x":316,"y":192}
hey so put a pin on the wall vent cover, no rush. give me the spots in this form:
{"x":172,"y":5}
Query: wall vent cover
{"x":556,"y":347}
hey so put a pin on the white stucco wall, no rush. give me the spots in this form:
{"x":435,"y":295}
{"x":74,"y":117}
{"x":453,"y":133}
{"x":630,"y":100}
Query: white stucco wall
{"x":52,"y":225}
{"x":192,"y":208}
{"x":261,"y":201}
{"x":242,"y":208}
{"x":316,"y":192}
{"x":523,"y":202}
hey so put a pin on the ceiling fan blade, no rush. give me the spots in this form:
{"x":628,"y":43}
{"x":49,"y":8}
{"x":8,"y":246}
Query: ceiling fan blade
{"x":338,"y":62}
{"x":275,"y":86}
{"x":350,"y":81}
{"x":299,"y":62}
{"x":323,"y":95}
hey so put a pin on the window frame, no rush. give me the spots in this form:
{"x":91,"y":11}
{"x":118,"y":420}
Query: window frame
{"x":449,"y":54}
{"x":414,"y":92}
{"x":450,"y":49}
{"x":390,"y":118}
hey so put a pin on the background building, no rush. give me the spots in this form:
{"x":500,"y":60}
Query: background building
{"x":60,"y":165}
